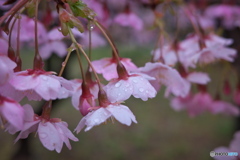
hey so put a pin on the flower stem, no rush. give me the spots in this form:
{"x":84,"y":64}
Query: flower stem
{"x":18,"y":58}
{"x":47,"y":110}
{"x":78,"y":54}
{"x":108,"y":39}
{"x":85,"y":55}
{"x":64,"y":63}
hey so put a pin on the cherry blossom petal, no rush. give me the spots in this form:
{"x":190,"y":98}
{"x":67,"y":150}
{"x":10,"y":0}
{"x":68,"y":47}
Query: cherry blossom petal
{"x":92,"y":119}
{"x":48,"y":87}
{"x":224,"y":108}
{"x":122,"y":113}
{"x":13,"y":113}
{"x":129,"y":19}
{"x":28,"y":128}
{"x":119,"y":91}
{"x":6,"y":70}
{"x":65,"y":133}
{"x":50,"y":137}
{"x":198,"y":77}
{"x":142,"y":88}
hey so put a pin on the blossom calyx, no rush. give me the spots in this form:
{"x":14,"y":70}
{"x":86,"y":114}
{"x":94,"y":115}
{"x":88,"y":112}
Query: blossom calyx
{"x":122,"y":72}
{"x":68,"y":20}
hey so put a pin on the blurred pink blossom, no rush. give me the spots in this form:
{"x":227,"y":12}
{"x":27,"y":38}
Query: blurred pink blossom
{"x":167,"y":76}
{"x":7,"y":66}
{"x":130,"y":20}
{"x":233,"y":147}
{"x":108,"y":67}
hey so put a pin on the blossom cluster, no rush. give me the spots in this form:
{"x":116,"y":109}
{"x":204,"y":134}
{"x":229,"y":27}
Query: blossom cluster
{"x":175,"y":65}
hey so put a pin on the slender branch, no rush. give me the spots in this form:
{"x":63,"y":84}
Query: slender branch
{"x":18,"y":37}
{"x":89,"y":62}
{"x":78,"y":54}
{"x":10,"y":33}
{"x":90,"y":40}
{"x":13,"y":11}
{"x":85,"y":55}
{"x":64,"y":63}
{"x":108,"y":39}
{"x":36,"y":29}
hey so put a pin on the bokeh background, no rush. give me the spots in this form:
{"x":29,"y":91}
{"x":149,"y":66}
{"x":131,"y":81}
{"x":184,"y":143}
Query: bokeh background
{"x":161,"y":132}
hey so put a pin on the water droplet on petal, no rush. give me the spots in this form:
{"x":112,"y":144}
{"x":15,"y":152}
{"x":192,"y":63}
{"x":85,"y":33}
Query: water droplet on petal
{"x":141,"y":89}
{"x":45,"y":78}
{"x":147,"y":91}
{"x":96,"y":120}
{"x":118,"y":84}
{"x":135,"y":81}
{"x":125,"y":90}
{"x":42,"y":135}
{"x":127,"y":85}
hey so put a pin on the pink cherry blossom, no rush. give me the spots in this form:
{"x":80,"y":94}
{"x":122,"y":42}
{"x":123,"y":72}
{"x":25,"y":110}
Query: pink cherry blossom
{"x":119,"y":90}
{"x":129,"y":19}
{"x":52,"y":133}
{"x":215,"y":49}
{"x":27,"y":31}
{"x":77,"y":92}
{"x":42,"y":83}
{"x":219,"y":106}
{"x":167,"y":76}
{"x":97,"y":40}
{"x":194,"y":104}
{"x":7,"y":66}
{"x":8,"y":90}
{"x":11,"y":111}
{"x":211,"y":54}
{"x":198,"y":77}
{"x":233,"y":147}
{"x":229,"y":14}
{"x":120,"y":112}
{"x":201,"y":102}
{"x":167,"y":53}
{"x":108,"y":67}
{"x":53,"y":44}
{"x":101,"y":10}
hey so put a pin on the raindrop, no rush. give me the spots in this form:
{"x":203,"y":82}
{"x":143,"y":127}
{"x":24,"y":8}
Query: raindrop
{"x":96,"y":120}
{"x":42,"y":135}
{"x":141,"y":89}
{"x":147,"y":91}
{"x":127,"y":85}
{"x":135,"y":81}
{"x":90,"y":26}
{"x":118,"y":84}
{"x":45,"y":78}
